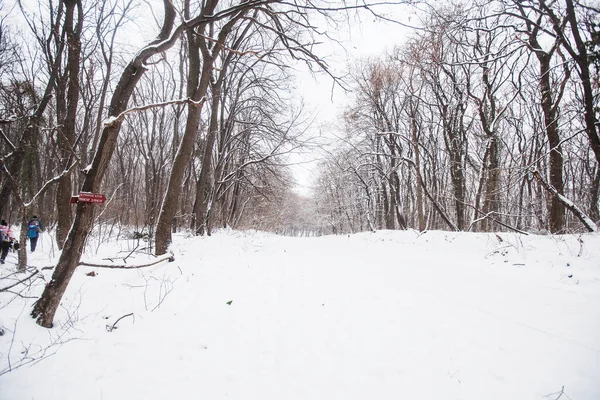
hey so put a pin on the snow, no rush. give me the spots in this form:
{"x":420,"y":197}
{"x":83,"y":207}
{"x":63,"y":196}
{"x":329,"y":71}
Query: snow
{"x":385,"y":315}
{"x":110,"y":120}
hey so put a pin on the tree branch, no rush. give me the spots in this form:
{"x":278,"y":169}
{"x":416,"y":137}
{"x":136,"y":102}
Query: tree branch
{"x":581,"y":216}
{"x":169,"y":258}
{"x":18,"y":282}
{"x":114,"y":326}
{"x":112,"y":121}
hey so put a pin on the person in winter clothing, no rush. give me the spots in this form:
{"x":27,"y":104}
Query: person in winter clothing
{"x":34,"y":227}
{"x":6,"y":236}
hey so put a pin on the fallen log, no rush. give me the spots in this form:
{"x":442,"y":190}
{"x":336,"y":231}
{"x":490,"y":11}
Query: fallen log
{"x":169,"y":258}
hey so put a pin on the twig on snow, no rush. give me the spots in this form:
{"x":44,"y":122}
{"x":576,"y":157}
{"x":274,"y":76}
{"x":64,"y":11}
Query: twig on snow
{"x":169,"y":258}
{"x":18,"y":282}
{"x":114,"y":326}
{"x":560,"y":394}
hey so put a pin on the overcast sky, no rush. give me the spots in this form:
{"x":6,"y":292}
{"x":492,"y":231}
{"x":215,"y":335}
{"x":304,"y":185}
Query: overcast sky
{"x":362,"y":37}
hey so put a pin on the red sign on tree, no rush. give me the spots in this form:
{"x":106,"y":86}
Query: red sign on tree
{"x":86,"y":197}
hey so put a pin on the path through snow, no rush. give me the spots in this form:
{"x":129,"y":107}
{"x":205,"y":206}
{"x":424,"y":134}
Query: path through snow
{"x":390,"y":315}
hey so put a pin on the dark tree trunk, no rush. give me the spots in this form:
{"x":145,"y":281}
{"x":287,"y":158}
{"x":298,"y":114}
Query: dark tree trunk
{"x":595,"y":197}
{"x":204,"y":183}
{"x":385,"y":217}
{"x":198,"y":80}
{"x":457,"y":177}
{"x":579,"y":53}
{"x":557,"y":210}
{"x":415,"y":143}
{"x":396,"y":212}
{"x":556,"y":218}
{"x":180,"y":163}
{"x":492,"y":187}
{"x":66,"y":138}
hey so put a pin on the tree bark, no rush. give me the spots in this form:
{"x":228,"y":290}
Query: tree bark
{"x":454,"y":146}
{"x":203,"y":185}
{"x":595,"y":197}
{"x":417,"y":166}
{"x":557,"y":210}
{"x":66,"y":138}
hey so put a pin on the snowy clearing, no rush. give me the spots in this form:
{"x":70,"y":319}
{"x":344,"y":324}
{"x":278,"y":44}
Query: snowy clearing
{"x":248,"y":315}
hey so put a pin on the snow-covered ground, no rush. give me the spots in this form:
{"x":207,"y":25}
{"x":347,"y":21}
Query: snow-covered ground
{"x":248,"y":315}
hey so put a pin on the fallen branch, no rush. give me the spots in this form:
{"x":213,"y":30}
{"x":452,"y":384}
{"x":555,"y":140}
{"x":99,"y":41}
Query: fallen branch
{"x":558,"y":394}
{"x":132,"y":251}
{"x":490,"y":215}
{"x":18,"y":282}
{"x":114,"y":326}
{"x":568,"y":204}
{"x":169,"y":258}
{"x":434,"y":202}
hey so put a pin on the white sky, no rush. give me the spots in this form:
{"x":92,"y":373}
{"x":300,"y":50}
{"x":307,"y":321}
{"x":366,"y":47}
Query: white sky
{"x":362,"y":37}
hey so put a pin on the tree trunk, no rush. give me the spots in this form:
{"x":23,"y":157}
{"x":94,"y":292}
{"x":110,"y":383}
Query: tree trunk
{"x":491,"y":202}
{"x":185,"y":151}
{"x":66,"y":140}
{"x":557,"y":210}
{"x":396,"y":210}
{"x":16,"y":164}
{"x":556,"y":217}
{"x":198,"y":81}
{"x":581,"y":57}
{"x":22,"y":262}
{"x":595,"y":197}
{"x":386,"y":216}
{"x":180,"y":163}
{"x":204,"y":184}
{"x":417,"y":151}
{"x":458,"y":179}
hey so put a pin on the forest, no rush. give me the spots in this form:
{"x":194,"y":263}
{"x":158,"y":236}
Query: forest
{"x":483,"y":118}
{"x":486,"y":120}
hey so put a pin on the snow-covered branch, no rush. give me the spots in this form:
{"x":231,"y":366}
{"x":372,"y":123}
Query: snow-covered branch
{"x":490,"y":216}
{"x":578,"y":212}
{"x":49,"y":183}
{"x":111,"y":121}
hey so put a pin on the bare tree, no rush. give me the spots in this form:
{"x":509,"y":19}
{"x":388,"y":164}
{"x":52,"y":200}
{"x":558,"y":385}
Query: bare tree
{"x":464,"y":121}
{"x":45,"y":308}
{"x":68,"y":100}
{"x":206,"y":46}
{"x":205,"y":183}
